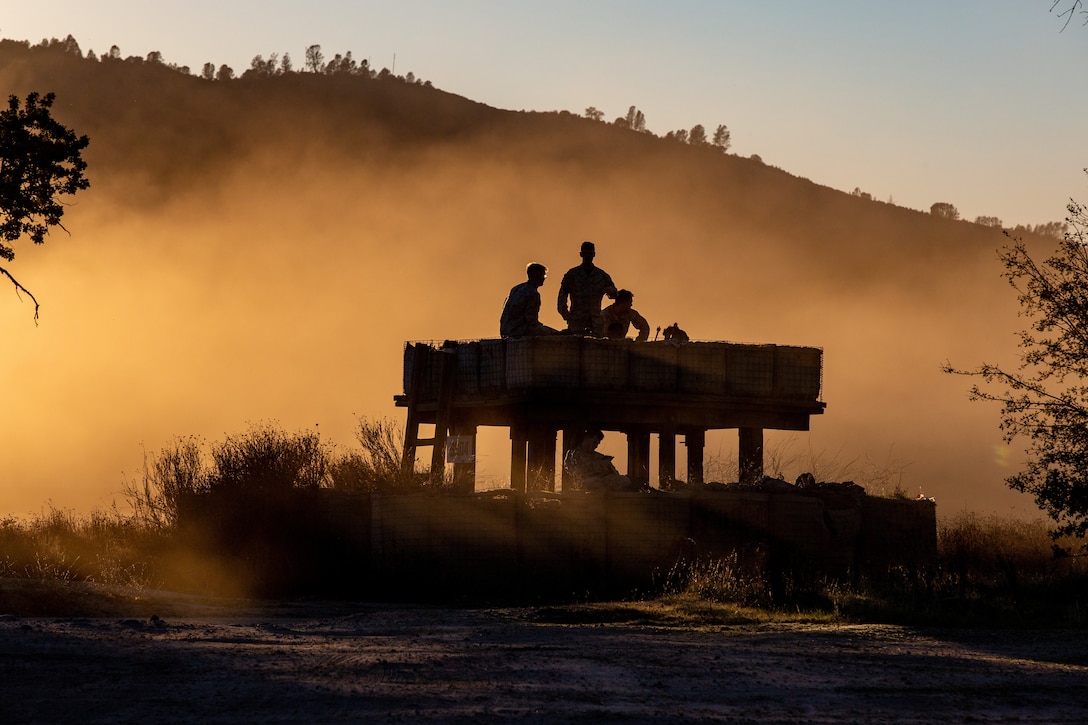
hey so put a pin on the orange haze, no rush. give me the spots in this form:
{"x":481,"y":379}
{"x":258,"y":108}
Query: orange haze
{"x":280,"y":282}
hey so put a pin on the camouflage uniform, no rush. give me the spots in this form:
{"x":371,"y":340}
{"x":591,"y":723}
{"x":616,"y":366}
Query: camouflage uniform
{"x":594,"y":471}
{"x":521,"y":313}
{"x":616,"y":323}
{"x":585,"y":285}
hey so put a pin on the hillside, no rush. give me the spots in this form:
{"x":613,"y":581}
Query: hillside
{"x":261,"y":248}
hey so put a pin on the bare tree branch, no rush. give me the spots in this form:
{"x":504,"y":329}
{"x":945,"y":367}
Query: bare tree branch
{"x":1070,"y":12}
{"x":19,"y":288}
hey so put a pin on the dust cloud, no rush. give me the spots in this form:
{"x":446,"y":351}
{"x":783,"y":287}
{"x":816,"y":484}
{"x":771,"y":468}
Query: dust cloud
{"x":281,"y":285}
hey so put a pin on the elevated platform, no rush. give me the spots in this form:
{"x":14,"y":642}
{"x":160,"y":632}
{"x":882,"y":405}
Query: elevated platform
{"x":538,"y":386}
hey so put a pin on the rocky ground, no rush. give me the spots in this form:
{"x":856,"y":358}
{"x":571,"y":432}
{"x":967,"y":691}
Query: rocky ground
{"x":316,"y":662}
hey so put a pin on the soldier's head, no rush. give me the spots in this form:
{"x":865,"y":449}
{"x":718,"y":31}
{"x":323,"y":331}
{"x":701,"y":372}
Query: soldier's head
{"x":536,"y":273}
{"x":588,"y":252}
{"x":624,"y":299}
{"x":591,"y":439}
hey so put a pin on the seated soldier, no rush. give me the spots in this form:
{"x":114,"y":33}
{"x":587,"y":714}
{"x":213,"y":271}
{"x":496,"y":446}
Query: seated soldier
{"x":591,"y":470}
{"x":619,"y":316}
{"x":521,"y":311}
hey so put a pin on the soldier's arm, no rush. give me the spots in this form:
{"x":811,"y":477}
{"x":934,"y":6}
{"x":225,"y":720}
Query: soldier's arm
{"x":564,"y":293}
{"x":610,"y":290}
{"x":641,"y":325}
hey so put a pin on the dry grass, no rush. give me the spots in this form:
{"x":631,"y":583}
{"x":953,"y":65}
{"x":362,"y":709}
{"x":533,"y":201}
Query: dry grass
{"x":990,"y":570}
{"x":104,"y":548}
{"x":786,"y":459}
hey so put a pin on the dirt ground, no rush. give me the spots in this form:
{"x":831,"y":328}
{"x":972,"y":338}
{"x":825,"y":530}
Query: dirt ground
{"x":314,"y":662}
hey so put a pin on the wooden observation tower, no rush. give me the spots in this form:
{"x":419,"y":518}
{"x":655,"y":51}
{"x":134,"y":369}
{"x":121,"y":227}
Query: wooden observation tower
{"x":541,"y":387}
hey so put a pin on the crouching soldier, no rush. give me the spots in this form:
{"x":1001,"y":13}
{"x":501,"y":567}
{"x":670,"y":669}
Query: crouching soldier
{"x":618,"y":317}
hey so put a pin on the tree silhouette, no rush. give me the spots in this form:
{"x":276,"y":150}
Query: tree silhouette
{"x":1045,"y":399}
{"x":945,"y":210}
{"x":315,"y":59}
{"x":593,"y":114}
{"x":261,"y":68}
{"x":40,"y":160}
{"x":722,"y":138}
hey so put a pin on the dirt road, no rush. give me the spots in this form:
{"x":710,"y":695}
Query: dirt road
{"x":389,"y":664}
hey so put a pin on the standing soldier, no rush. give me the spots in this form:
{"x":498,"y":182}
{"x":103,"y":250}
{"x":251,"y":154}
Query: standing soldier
{"x":585,"y":286}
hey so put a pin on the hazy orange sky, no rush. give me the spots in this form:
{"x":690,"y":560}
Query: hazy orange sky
{"x":255,"y":299}
{"x":249,"y":300}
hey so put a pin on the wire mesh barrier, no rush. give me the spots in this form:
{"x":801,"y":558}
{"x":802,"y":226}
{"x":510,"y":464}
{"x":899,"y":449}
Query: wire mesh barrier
{"x":489,"y":367}
{"x":505,"y":544}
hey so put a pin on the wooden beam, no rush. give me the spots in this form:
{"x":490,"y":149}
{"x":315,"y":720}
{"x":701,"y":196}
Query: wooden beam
{"x":518,"y":441}
{"x":464,"y":471}
{"x":570,"y":439}
{"x":541,"y":460}
{"x":638,"y":456}
{"x":695,"y":440}
{"x":447,"y":384}
{"x":751,"y":455}
{"x":666,"y":459}
{"x":414,"y":392}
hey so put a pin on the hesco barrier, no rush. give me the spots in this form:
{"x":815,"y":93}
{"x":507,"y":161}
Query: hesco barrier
{"x":508,"y":544}
{"x":491,"y":367}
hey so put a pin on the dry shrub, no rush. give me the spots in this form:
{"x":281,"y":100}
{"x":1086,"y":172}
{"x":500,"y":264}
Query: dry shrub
{"x":179,"y":470}
{"x":376,"y":467}
{"x":266,"y":459}
{"x":991,"y":550}
{"x":263,"y":461}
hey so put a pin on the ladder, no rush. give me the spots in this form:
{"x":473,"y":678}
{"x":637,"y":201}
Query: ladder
{"x":422,"y":364}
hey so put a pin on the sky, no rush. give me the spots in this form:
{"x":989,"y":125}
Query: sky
{"x":977,"y":103}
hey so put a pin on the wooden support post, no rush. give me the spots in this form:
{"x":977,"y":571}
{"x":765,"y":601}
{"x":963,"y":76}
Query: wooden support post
{"x":570,"y":438}
{"x":464,"y":462}
{"x":518,"y":442}
{"x":541,"y":460}
{"x":549,"y":459}
{"x":751,"y":455}
{"x":666,"y":459}
{"x":446,"y":385}
{"x":695,"y":440}
{"x":420,"y":364}
{"x":638,"y":456}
